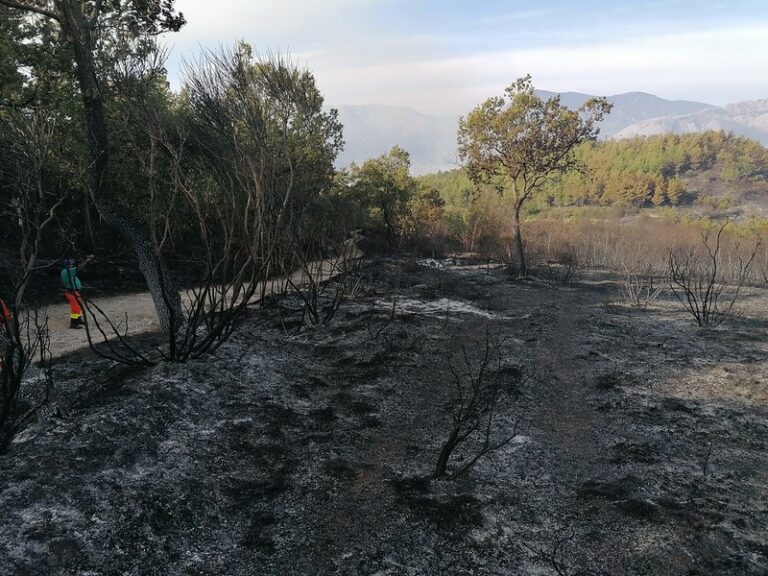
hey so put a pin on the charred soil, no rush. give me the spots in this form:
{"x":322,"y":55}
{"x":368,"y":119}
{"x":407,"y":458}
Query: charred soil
{"x":641,"y":444}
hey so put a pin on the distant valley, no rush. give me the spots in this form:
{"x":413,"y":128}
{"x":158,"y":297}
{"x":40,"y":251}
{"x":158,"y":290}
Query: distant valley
{"x":371,"y":130}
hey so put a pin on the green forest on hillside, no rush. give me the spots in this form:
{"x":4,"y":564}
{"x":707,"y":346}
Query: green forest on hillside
{"x":668,"y":170}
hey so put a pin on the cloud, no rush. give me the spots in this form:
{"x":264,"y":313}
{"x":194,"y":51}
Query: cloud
{"x":719,"y":66}
{"x":329,"y":32}
{"x":268,"y":19}
{"x":375,"y":51}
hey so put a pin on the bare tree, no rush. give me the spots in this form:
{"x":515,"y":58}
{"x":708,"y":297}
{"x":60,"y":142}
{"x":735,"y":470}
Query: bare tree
{"x":240,"y":169}
{"x":18,"y":349}
{"x":324,"y":275}
{"x":26,"y":142}
{"x":258,"y":129}
{"x":639,"y":287}
{"x":480,"y":384}
{"x":698,"y":282}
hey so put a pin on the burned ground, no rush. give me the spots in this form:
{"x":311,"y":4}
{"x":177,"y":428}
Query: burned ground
{"x":640,"y":449}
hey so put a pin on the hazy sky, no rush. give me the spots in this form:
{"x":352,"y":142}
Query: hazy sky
{"x":445,"y":56}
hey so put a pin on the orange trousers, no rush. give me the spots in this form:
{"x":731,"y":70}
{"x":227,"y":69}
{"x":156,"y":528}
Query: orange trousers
{"x":75,"y":311}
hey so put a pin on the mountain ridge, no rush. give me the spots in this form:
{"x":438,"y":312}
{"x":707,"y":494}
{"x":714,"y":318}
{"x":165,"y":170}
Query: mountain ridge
{"x":748,"y":118}
{"x":371,"y":130}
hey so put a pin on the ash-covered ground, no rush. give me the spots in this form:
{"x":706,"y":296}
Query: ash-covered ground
{"x":640,"y":447}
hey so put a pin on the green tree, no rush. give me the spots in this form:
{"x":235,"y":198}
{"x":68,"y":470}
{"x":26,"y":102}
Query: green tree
{"x":84,"y":27}
{"x":424,"y":215}
{"x":658,"y":190}
{"x":675,"y":191}
{"x":384,"y":187}
{"x":13,"y":51}
{"x":518,"y":141}
{"x":36,"y":81}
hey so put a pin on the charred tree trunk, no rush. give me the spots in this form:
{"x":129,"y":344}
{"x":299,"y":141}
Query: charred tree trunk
{"x":78,"y":33}
{"x":517,"y":240}
{"x":88,"y":232}
{"x":441,"y":467}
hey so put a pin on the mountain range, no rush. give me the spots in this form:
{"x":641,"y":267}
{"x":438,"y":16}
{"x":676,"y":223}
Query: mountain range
{"x":372,"y":130}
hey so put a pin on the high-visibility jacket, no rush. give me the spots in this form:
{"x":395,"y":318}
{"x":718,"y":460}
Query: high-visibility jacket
{"x":69,"y":279}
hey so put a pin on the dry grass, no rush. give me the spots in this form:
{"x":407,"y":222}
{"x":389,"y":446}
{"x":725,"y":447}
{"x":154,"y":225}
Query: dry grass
{"x":641,"y":245}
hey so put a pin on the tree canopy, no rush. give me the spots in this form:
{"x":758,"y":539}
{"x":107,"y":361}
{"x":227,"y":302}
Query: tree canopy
{"x":517,"y":141}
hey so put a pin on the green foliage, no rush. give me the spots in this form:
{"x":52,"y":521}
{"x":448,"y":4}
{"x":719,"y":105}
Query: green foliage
{"x":638,"y":172}
{"x":518,"y":142}
{"x":381,"y":190}
{"x":38,"y":76}
{"x":38,"y":93}
{"x":658,"y":170}
{"x":34,"y":67}
{"x":12,"y":54}
{"x":455,"y":187}
{"x":711,"y":171}
{"x":423,"y":220}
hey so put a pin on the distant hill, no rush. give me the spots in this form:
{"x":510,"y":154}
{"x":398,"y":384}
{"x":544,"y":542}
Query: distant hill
{"x":371,"y":130}
{"x":631,"y":108}
{"x":748,"y":119}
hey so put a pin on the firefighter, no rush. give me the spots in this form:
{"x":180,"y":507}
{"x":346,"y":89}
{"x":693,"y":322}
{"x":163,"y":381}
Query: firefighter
{"x":72,"y":285}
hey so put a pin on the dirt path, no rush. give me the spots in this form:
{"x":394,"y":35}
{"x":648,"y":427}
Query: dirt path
{"x":135,"y":313}
{"x":568,"y":423}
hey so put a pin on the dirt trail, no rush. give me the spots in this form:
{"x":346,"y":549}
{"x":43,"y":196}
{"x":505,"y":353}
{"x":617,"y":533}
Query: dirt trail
{"x":568,"y":423}
{"x":135,"y":313}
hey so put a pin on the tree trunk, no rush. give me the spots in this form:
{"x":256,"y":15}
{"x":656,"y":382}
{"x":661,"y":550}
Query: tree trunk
{"x":78,"y":33}
{"x":90,"y":236}
{"x":441,"y":467}
{"x":10,"y":382}
{"x":388,"y":225}
{"x":517,"y":240}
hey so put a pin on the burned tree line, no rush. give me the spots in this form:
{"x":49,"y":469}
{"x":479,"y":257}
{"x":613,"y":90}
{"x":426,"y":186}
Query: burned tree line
{"x":211,"y":191}
{"x":232,"y":175}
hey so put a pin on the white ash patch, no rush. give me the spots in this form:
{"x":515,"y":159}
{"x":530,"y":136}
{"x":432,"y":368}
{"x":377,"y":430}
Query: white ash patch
{"x":438,"y":308}
{"x":458,"y":264}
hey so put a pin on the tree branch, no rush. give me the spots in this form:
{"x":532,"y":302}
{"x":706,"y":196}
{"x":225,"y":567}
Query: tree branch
{"x":28,"y":8}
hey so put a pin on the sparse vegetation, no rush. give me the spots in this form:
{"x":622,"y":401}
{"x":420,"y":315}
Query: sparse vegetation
{"x":699,"y":283}
{"x":480,"y":384}
{"x":640,"y":287}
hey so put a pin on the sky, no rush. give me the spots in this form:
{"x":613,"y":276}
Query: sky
{"x":446,"y":56}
